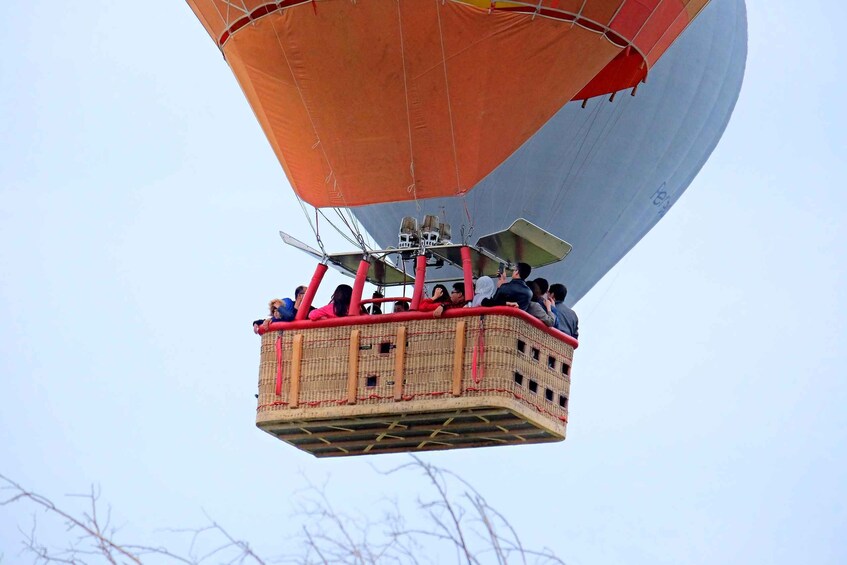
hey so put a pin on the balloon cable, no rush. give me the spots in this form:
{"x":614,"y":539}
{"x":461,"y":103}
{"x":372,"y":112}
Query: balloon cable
{"x":447,"y":94}
{"x":412,"y":188}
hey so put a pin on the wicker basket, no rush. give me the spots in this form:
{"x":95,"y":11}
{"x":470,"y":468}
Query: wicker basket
{"x":467,"y":380}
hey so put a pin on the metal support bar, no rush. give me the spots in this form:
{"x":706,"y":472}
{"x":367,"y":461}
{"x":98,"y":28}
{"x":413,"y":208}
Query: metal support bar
{"x":303,"y":311}
{"x":420,"y":277}
{"x":296,"y":358}
{"x":458,"y":358}
{"x":467,"y":270}
{"x":279,"y":375}
{"x":358,"y":286}
{"x":399,"y":362}
{"x":353,"y":367}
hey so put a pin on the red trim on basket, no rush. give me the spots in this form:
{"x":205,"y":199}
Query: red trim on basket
{"x":365,"y":320}
{"x":279,"y":366}
{"x":475,"y":364}
{"x":478,"y":370}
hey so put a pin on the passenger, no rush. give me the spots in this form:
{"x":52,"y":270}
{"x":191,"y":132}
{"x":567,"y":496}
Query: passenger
{"x":457,"y":295}
{"x":457,"y":300}
{"x":485,"y":288}
{"x":439,"y":296}
{"x":337,"y":307}
{"x":288,"y":310}
{"x":515,"y":290}
{"x":566,"y":319}
{"x":274,"y":315}
{"x":544,"y":287}
{"x":401,"y":306}
{"x":540,"y":307}
{"x":376,"y":307}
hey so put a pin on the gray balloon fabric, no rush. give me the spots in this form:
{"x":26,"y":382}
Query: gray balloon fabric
{"x":602,"y":176}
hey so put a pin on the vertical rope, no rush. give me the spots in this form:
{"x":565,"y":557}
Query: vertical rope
{"x":278,"y":344}
{"x":412,"y":188}
{"x":447,"y":92}
{"x":318,"y":143}
{"x":466,"y":237}
{"x":478,"y":370}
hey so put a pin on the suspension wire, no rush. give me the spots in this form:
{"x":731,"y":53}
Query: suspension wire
{"x":447,"y":94}
{"x":316,"y":225}
{"x":223,"y":18}
{"x":587,"y":128}
{"x":467,"y":236}
{"x":316,"y":229}
{"x":336,"y":190}
{"x":610,"y":122}
{"x":403,"y":263}
{"x":336,"y":228}
{"x":605,"y":131}
{"x":357,"y":229}
{"x":412,"y":188}
{"x":365,"y":235}
{"x":360,"y":240}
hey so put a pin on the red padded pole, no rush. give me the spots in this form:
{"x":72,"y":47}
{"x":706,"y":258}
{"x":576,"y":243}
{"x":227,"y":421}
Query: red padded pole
{"x":420,"y":278}
{"x":466,"y":268}
{"x":320,"y":271}
{"x":358,"y":286}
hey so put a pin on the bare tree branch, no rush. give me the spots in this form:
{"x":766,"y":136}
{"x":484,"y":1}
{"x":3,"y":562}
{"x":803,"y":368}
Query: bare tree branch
{"x":424,"y":530}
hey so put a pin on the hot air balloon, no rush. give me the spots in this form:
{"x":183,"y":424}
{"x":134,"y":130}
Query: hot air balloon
{"x":405,"y":101}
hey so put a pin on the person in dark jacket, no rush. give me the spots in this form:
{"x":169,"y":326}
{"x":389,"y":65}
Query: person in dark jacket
{"x":288,"y":309}
{"x":566,"y":319}
{"x":515,"y":290}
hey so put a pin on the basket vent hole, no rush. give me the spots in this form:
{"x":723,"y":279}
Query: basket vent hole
{"x":533,"y":386}
{"x":521,"y":346}
{"x":385,"y":347}
{"x":536,"y":354}
{"x":548,"y":394}
{"x":563,"y":401}
{"x":370,"y":381}
{"x":518,"y":378}
{"x":566,"y":369}
{"x":551,"y":362}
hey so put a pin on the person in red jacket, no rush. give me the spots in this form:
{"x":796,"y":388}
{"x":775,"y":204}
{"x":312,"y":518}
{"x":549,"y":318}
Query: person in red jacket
{"x":440,"y":296}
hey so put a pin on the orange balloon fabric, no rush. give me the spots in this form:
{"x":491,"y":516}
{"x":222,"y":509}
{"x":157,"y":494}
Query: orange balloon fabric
{"x":386,"y":100}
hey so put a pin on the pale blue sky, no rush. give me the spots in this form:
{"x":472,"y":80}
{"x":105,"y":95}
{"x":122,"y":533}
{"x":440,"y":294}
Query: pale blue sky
{"x":139,"y":205}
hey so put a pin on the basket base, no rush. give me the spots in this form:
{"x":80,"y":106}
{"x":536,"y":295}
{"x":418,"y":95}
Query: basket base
{"x":412,"y":427}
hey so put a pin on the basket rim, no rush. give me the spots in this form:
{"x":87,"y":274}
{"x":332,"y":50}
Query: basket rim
{"x":412,"y":316}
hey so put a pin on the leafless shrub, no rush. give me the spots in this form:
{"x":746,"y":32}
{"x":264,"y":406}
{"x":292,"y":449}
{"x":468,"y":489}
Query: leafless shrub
{"x":450,"y":519}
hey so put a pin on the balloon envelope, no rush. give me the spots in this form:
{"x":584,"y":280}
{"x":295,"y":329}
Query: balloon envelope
{"x":387,"y":100}
{"x":601,"y":177}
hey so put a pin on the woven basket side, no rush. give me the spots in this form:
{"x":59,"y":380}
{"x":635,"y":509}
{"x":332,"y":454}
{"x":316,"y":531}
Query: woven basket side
{"x":533,"y":376}
{"x":503,"y":370}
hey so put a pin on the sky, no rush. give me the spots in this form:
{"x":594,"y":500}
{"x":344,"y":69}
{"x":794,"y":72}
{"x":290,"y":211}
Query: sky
{"x":139,"y":210}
